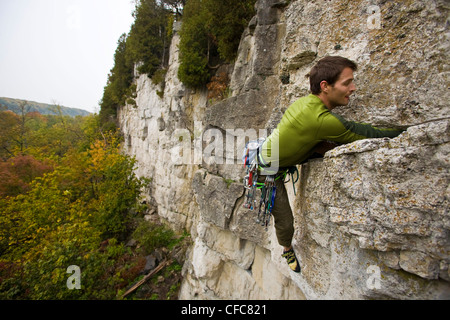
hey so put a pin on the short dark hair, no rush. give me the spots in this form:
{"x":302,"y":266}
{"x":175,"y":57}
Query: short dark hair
{"x":328,"y":69}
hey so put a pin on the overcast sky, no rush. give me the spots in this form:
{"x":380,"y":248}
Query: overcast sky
{"x":60,"y":50}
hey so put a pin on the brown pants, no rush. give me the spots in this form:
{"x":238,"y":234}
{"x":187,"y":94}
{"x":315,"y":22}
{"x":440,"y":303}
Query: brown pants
{"x":282,"y":214}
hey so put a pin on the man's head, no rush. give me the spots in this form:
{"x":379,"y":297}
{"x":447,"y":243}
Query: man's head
{"x":332,"y":80}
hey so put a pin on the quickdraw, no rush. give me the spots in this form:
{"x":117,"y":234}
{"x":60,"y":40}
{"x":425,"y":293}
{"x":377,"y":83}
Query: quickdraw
{"x":268,"y":192}
{"x":250,"y":183}
{"x":251,"y":174}
{"x":268,"y":188}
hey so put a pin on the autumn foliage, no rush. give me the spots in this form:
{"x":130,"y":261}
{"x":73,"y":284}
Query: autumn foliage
{"x":59,"y":201}
{"x":17,"y":173}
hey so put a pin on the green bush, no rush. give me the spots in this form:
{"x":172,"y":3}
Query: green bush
{"x":152,"y":236}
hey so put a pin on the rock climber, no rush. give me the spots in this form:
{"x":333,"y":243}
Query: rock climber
{"x":308,"y":129}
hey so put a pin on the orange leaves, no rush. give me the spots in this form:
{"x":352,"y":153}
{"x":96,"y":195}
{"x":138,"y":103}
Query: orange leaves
{"x":18,"y":172}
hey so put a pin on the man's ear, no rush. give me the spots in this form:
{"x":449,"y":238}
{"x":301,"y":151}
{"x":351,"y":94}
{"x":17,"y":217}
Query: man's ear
{"x":324,"y":86}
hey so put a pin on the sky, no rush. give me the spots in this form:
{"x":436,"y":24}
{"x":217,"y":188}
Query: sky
{"x":60,"y":51}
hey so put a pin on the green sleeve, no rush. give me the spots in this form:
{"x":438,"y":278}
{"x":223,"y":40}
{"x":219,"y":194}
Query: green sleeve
{"x":336,"y":128}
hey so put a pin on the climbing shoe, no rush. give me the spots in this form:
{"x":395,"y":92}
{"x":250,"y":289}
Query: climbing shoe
{"x":291,"y":260}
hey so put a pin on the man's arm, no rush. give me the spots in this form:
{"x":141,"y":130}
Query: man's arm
{"x":336,"y":128}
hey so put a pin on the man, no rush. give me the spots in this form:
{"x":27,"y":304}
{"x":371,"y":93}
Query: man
{"x":307,"y":128}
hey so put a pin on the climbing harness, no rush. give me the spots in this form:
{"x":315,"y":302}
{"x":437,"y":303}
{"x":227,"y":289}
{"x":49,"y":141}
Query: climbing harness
{"x":268,"y":189}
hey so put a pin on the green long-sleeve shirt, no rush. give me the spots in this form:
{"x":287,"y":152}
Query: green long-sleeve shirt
{"x":306,"y":123}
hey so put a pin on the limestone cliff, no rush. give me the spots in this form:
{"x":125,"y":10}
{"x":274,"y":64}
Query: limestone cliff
{"x":371,"y":217}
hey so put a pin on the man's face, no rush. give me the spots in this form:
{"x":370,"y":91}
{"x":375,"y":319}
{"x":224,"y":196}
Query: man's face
{"x":339,"y":93}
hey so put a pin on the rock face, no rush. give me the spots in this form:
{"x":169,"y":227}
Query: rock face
{"x":371,"y":217}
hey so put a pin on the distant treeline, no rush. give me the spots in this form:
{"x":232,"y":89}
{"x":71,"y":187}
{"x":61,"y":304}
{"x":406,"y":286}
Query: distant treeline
{"x":209,"y":36}
{"x":16,"y":106}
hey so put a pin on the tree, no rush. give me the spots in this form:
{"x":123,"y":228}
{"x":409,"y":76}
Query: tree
{"x":146,"y":46}
{"x":23,"y":130}
{"x":228,"y":20}
{"x":18,"y":173}
{"x":210,"y":35}
{"x":195,"y":45}
{"x":119,"y":81}
{"x":9,"y":133}
{"x":147,"y":41}
{"x":175,"y":5}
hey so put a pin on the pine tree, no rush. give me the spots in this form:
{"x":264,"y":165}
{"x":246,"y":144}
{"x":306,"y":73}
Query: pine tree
{"x":210,"y":36}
